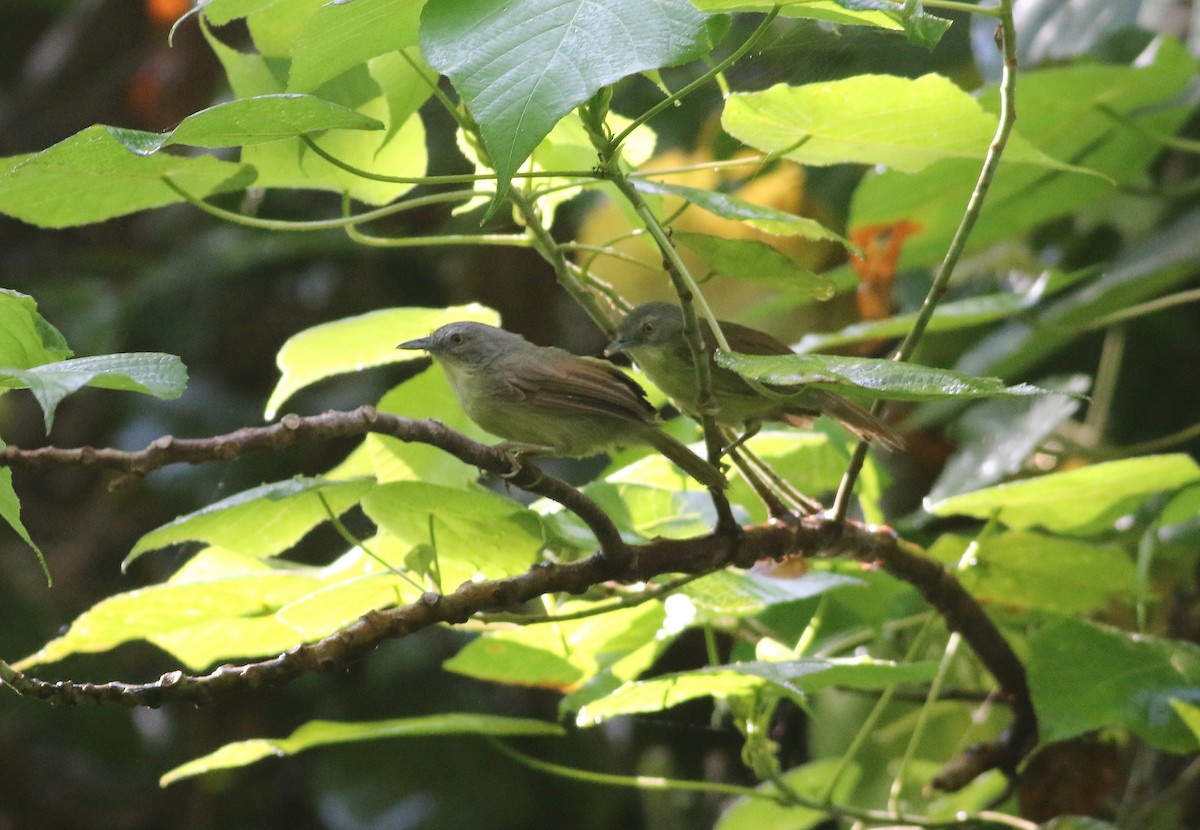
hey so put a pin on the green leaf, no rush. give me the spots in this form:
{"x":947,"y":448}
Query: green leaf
{"x":568,"y":147}
{"x":397,"y":150}
{"x":220,"y":12}
{"x":275,"y":28}
{"x":262,"y":521}
{"x":1076,"y":501}
{"x":324,"y":733}
{"x":766,"y":219}
{"x":428,"y":395}
{"x":952,"y":316}
{"x":1061,"y":112}
{"x":247,"y":121}
{"x":356,"y":343}
{"x":1147,"y":269}
{"x":830,"y":11}
{"x":1189,"y":714}
{"x":523,"y":65}
{"x":10,"y":511}
{"x":198,"y":622}
{"x":339,"y":36}
{"x":902,"y":123}
{"x":734,"y":594}
{"x":1085,"y":676}
{"x":1021,"y":571}
{"x":756,"y":261}
{"x":811,"y":781}
{"x":474,"y":532}
{"x":91,"y":176}
{"x":162,"y":375}
{"x":653,"y":497}
{"x":26,"y":338}
{"x":566,"y":654}
{"x":793,"y":677}
{"x":921,"y":28}
{"x":882,"y":378}
{"x":995,"y":437}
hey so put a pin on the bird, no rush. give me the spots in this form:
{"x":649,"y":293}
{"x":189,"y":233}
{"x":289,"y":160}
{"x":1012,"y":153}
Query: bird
{"x":652,"y":334}
{"x":546,"y":401}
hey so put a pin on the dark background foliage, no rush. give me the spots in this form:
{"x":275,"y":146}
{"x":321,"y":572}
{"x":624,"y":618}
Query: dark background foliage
{"x":225,"y":299}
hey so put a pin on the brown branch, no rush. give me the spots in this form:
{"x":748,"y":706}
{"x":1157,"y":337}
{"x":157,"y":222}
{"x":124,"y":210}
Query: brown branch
{"x":615,"y":560}
{"x":328,"y":425}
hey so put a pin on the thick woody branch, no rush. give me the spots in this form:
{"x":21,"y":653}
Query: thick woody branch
{"x":324,"y":427}
{"x":615,"y":560}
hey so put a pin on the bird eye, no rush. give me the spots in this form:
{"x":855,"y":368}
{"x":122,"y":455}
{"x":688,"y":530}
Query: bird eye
{"x":456,"y":339}
{"x":648,"y":328}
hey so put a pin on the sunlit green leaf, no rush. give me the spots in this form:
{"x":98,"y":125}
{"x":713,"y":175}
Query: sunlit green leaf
{"x":731,"y":593}
{"x":356,"y":343}
{"x":26,"y":338}
{"x":91,"y":176}
{"x":564,"y":655}
{"x":829,"y":11}
{"x":1089,"y":498}
{"x":475,"y":531}
{"x":199,"y":621}
{"x":261,"y":521}
{"x":250,"y":121}
{"x":1061,"y":112}
{"x":340,"y":35}
{"x":794,"y":677}
{"x":323,"y":733}
{"x":906,"y":124}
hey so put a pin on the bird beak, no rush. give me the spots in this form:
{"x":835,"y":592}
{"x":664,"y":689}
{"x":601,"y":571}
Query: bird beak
{"x":420,"y":344}
{"x":615,"y":347}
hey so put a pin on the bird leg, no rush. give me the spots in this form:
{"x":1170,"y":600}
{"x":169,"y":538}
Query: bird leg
{"x":516,"y":450}
{"x":746,"y":460}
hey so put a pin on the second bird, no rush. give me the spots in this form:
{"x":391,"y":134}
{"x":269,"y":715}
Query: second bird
{"x":546,"y":401}
{"x":652,"y":334}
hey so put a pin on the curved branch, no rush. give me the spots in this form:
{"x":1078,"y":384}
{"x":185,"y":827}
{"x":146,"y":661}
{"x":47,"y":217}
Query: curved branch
{"x":615,"y":560}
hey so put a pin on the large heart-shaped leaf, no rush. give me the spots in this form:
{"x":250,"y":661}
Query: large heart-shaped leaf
{"x":520,"y":66}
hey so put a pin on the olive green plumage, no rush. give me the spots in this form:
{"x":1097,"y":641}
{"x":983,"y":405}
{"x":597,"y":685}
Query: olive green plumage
{"x":652,"y":334}
{"x":546,"y":401}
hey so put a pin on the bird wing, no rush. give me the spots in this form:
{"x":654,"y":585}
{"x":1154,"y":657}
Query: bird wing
{"x":748,"y":340}
{"x":580,"y":385}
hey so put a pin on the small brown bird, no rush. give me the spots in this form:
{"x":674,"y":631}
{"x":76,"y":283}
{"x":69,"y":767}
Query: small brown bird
{"x":652,"y":334}
{"x":546,"y":401}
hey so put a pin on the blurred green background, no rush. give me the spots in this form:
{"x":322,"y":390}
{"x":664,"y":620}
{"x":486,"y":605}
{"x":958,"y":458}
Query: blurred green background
{"x":225,"y":299}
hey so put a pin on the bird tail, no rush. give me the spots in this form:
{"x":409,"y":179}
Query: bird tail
{"x":857,"y":419}
{"x":688,"y":461}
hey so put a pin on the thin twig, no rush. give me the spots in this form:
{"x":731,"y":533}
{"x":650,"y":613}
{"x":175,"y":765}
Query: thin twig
{"x":1008,"y":115}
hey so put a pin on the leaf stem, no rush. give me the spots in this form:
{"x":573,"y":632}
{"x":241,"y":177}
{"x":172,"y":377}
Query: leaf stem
{"x":1008,"y":115}
{"x":457,"y":178}
{"x":780,"y":796}
{"x":689,"y":292}
{"x":914,"y":739}
{"x":319,"y":224}
{"x":552,"y":252}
